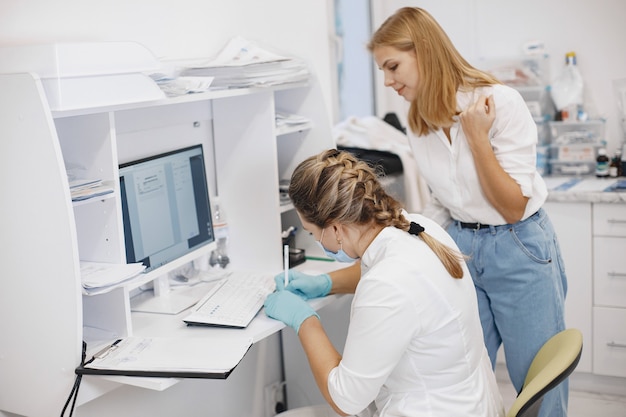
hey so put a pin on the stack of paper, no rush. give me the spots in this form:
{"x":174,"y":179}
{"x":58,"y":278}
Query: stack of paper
{"x":101,"y":277}
{"x":178,"y":86}
{"x":83,"y":189}
{"x":286,"y":120}
{"x":243,"y":64}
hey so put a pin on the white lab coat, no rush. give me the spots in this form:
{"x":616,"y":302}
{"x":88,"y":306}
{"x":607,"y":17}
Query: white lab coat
{"x":415,"y":343}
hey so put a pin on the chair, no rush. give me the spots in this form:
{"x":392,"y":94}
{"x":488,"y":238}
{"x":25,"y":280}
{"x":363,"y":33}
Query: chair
{"x":554,"y":362}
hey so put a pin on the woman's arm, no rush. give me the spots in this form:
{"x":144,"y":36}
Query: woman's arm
{"x":502,"y":191}
{"x":321,"y":354}
{"x":346,"y":279}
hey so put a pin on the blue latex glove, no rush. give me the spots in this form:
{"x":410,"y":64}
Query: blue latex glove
{"x":288,"y":308}
{"x":304,"y":285}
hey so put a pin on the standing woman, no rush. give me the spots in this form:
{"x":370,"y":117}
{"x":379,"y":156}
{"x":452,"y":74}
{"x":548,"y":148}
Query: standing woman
{"x":475,"y":144}
{"x":414,"y":344}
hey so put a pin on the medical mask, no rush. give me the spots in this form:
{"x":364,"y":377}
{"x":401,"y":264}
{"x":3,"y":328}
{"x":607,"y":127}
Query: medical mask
{"x":339,"y":256}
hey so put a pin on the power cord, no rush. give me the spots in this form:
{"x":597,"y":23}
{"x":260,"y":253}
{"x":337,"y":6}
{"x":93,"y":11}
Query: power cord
{"x":74,"y":392}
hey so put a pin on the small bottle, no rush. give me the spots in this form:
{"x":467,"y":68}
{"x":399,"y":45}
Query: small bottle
{"x":602,"y":164}
{"x":615,"y":168}
{"x":220,"y":229}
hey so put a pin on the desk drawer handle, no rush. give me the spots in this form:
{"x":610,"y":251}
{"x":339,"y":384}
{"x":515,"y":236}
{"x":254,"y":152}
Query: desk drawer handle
{"x":617,"y":274}
{"x":616,"y":345}
{"x":616,"y":221}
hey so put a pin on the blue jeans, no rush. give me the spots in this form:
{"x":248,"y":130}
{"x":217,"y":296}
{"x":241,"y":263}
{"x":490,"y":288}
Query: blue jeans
{"x":521,"y":285}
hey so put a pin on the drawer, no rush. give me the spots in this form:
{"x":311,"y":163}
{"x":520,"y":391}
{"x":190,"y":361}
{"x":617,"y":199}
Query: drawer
{"x":609,"y":271}
{"x":609,"y":219}
{"x":609,"y":341}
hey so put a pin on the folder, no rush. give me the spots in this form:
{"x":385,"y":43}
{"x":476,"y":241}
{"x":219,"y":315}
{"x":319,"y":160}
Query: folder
{"x":168,"y":357}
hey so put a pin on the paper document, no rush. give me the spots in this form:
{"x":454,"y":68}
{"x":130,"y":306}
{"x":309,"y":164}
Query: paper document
{"x":98,"y":277}
{"x":239,"y":52}
{"x":285,"y":120}
{"x":243,"y":64}
{"x":201,"y":357}
{"x":173,"y":87}
{"x":85,"y":189}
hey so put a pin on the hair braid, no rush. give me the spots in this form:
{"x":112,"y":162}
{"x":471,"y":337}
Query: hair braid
{"x":335,"y":186}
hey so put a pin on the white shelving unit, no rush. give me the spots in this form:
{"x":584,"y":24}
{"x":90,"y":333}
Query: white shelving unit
{"x":44,"y":235}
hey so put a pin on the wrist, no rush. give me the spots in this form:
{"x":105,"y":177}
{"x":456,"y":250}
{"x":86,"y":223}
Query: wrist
{"x":328,"y":286}
{"x":309,"y":322}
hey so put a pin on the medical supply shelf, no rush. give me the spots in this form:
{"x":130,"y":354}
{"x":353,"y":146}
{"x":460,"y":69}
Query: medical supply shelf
{"x":45,"y":235}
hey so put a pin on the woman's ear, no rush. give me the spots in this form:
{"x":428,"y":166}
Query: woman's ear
{"x":338,"y":231}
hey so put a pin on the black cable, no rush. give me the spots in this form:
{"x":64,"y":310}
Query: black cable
{"x":74,"y":392}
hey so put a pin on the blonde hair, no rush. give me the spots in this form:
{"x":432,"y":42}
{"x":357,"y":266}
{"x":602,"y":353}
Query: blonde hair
{"x":442,"y":70}
{"x":335,"y":186}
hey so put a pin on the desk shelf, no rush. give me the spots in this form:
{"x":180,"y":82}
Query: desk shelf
{"x":48,"y":235}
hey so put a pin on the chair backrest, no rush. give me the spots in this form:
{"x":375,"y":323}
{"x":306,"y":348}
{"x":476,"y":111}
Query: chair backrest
{"x":554,"y":362}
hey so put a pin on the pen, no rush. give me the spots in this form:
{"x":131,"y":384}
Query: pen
{"x":286,"y":257}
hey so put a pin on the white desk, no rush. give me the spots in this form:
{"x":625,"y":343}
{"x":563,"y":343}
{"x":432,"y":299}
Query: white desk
{"x":170,"y":325}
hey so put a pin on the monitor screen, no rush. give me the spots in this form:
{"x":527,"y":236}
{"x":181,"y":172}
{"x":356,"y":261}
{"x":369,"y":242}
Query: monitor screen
{"x":165,"y":206}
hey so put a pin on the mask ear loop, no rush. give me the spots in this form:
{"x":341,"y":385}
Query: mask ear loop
{"x":322,"y":237}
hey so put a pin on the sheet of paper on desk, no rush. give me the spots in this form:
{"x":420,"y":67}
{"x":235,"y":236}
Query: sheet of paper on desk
{"x":174,"y":354}
{"x":101,"y":275}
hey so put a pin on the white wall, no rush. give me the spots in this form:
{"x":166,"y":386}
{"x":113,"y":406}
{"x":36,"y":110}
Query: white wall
{"x":181,"y":29}
{"x":488,"y":29}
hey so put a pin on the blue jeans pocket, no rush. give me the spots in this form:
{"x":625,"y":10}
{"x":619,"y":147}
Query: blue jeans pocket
{"x":527,"y":237}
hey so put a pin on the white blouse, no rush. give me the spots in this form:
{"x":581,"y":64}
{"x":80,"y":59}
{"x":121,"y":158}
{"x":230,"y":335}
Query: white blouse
{"x":449,"y":168}
{"x":415,"y":343}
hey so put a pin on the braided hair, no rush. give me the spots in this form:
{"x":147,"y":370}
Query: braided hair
{"x":335,"y":186}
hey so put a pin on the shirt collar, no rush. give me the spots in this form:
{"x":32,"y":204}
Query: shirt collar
{"x":376,"y":250}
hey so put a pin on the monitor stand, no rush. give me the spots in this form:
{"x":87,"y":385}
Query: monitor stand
{"x":173,"y":302}
{"x":163,"y":300}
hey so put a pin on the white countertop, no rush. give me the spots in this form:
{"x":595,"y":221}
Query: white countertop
{"x":585,"y":189}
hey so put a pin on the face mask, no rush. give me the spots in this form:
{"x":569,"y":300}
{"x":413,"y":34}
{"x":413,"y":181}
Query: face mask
{"x":339,"y":256}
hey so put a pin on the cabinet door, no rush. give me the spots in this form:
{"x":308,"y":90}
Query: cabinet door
{"x":575,"y":243}
{"x":609,"y":220}
{"x":609,"y":271}
{"x":609,"y":348}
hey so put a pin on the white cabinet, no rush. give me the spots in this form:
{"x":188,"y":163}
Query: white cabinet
{"x":593,"y":244}
{"x":44,"y":235}
{"x":609,"y":289}
{"x":573,"y":225}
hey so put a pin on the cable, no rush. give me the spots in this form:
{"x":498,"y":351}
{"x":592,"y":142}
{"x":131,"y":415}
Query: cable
{"x":74,"y":392}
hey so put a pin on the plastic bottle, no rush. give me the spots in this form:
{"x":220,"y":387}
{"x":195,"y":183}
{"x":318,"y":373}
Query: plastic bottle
{"x":567,"y":90}
{"x":615,"y":168}
{"x":602,"y":164}
{"x":220,"y":229}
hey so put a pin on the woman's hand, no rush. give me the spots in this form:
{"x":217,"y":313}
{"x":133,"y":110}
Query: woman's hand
{"x":288,"y":308}
{"x":305,"y":285}
{"x":477,"y":119}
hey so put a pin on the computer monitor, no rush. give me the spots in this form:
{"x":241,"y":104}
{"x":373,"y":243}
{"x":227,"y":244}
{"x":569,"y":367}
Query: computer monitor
{"x":165,"y":206}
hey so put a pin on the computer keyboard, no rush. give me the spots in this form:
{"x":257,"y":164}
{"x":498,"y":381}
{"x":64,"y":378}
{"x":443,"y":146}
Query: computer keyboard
{"x":233,"y":301}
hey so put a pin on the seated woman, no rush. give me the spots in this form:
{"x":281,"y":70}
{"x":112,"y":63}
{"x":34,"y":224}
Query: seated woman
{"x":414,"y":345}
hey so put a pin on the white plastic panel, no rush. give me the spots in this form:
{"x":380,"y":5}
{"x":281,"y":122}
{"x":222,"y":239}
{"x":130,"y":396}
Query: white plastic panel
{"x":39,"y":296}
